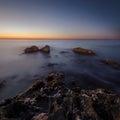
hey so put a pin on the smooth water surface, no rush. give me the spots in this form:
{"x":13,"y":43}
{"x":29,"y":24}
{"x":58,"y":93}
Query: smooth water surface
{"x":18,"y":71}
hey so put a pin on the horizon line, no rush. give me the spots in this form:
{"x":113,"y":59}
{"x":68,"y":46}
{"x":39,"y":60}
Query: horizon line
{"x":59,"y":38}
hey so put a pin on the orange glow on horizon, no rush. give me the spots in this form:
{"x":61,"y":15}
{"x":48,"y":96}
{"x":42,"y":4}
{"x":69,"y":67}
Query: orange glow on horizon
{"x":53,"y":37}
{"x":49,"y":35}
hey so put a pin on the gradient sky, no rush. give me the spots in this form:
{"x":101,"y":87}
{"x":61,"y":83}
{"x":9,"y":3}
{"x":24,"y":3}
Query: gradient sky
{"x":60,"y":19}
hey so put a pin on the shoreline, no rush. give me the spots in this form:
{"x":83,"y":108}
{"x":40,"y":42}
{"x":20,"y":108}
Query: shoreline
{"x":51,"y":99}
{"x":80,"y":64}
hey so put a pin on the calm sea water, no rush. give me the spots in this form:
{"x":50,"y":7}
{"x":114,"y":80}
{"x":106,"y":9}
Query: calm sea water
{"x":18,"y":71}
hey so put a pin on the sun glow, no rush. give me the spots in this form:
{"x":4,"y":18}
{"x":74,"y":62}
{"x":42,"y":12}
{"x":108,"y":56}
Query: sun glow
{"x":47,"y":20}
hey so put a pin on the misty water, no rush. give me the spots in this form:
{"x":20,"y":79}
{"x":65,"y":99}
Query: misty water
{"x":18,"y":71}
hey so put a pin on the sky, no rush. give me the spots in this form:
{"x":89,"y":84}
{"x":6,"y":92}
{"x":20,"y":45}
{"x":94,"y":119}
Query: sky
{"x":60,"y":19}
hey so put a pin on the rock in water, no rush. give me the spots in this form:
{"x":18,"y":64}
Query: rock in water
{"x":45,"y":49}
{"x":111,"y":63}
{"x":83,"y":51}
{"x":31,"y":49}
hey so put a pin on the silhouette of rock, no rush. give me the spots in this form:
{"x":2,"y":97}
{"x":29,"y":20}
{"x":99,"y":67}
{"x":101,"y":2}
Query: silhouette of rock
{"x":83,"y":51}
{"x":111,"y":63}
{"x":31,"y":49}
{"x":45,"y":49}
{"x":34,"y":49}
{"x":41,"y":116}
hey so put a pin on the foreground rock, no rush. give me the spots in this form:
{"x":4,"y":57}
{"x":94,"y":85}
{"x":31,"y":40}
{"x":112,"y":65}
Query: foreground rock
{"x":31,"y":49}
{"x":111,"y":63}
{"x":51,"y":99}
{"x":45,"y":49}
{"x":41,"y":116}
{"x":83,"y":51}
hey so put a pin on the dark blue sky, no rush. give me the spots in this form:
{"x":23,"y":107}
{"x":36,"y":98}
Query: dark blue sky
{"x":84,"y":19}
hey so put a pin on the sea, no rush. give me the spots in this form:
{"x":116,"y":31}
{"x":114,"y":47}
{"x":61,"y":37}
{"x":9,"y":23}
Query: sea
{"x":18,"y":71}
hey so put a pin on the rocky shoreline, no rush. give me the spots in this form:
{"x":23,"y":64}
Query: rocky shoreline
{"x":52,"y":99}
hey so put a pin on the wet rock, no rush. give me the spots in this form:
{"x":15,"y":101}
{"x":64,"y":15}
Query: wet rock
{"x":5,"y":102}
{"x":83,"y":51}
{"x":76,"y":89}
{"x":54,"y":83}
{"x":107,"y":107}
{"x":54,"y":80}
{"x":73,"y":82}
{"x":37,"y":85}
{"x":31,"y":92}
{"x":51,"y":64}
{"x":34,"y":49}
{"x":31,"y":49}
{"x":53,"y":100}
{"x":14,"y":109}
{"x":61,"y":75}
{"x":45,"y":49}
{"x":53,"y":76}
{"x":57,"y":115}
{"x":111,"y":63}
{"x":41,"y":116}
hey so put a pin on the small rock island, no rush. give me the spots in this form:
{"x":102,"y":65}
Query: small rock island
{"x":31,"y":49}
{"x":45,"y":49}
{"x":34,"y":49}
{"x":83,"y":51}
{"x":111,"y":63}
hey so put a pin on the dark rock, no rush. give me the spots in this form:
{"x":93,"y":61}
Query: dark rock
{"x":111,"y":63}
{"x":41,"y":116}
{"x":53,"y":100}
{"x":34,"y":49}
{"x":51,"y":77}
{"x":13,"y":110}
{"x":54,"y":80}
{"x":107,"y":107}
{"x":54,"y":83}
{"x":61,"y":75}
{"x":73,"y":82}
{"x":83,"y":51}
{"x":45,"y":49}
{"x":5,"y":102}
{"x":31,"y":49}
{"x":77,"y":90}
{"x":57,"y":115}
{"x":51,"y":64}
{"x":37,"y":85}
{"x":69,"y":115}
{"x":34,"y":88}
